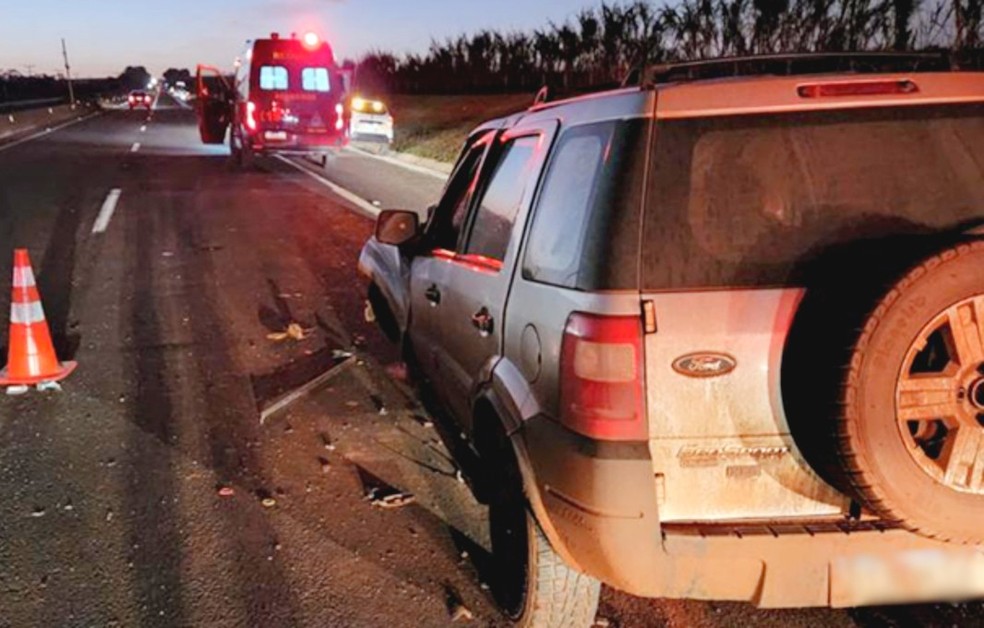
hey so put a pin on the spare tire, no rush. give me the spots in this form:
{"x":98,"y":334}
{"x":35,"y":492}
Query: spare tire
{"x":910,"y":430}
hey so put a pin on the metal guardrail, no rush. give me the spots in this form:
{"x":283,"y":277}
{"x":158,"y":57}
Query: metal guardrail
{"x":20,"y":105}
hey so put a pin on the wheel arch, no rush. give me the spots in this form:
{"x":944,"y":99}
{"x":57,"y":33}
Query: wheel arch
{"x":500,"y":408}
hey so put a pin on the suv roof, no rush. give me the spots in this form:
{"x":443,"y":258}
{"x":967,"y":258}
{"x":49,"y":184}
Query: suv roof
{"x":780,"y":83}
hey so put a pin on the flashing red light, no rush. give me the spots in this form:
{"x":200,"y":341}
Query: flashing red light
{"x":857,"y":88}
{"x":311,"y":40}
{"x":601,"y":386}
{"x":251,"y":115}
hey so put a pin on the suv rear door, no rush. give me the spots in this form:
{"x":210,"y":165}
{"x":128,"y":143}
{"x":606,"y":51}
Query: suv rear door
{"x":473,"y":307}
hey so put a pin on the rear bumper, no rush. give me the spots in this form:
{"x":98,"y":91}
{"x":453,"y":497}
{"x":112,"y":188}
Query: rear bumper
{"x":297,"y":143}
{"x":601,"y":502}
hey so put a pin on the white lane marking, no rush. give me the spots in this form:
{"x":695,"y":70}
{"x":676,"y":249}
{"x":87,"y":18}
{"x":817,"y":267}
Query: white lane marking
{"x":401,"y":164}
{"x":368,"y":208}
{"x":135,"y":147}
{"x":48,"y":131}
{"x":106,"y":213}
{"x":143,"y":129}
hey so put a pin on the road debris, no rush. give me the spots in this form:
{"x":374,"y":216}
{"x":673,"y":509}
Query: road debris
{"x":368,"y":313}
{"x":294,"y":332}
{"x":326,"y":442}
{"x":339,"y":354}
{"x":456,"y":607}
{"x":325,"y":464}
{"x":392,"y":501}
{"x":268,"y":502}
{"x":226,"y":491}
{"x":38,"y":511}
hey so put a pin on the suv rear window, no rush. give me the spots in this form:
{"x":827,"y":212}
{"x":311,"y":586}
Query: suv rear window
{"x":743,"y":201}
{"x":586,"y":229}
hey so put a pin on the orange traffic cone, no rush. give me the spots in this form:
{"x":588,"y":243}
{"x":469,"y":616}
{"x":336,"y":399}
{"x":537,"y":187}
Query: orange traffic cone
{"x":31,"y":356}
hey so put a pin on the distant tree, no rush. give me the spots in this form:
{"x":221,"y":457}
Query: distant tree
{"x":135,"y":77}
{"x":173,"y":76}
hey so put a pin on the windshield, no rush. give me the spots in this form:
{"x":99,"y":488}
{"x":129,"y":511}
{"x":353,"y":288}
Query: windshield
{"x":743,"y":200}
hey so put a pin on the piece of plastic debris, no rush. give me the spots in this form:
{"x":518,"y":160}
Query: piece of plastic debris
{"x":338,"y":354}
{"x":227,"y":491}
{"x":460,"y":612}
{"x":325,"y":464}
{"x":393,"y":501}
{"x":269,"y":502}
{"x":368,"y":313}
{"x":14,"y":391}
{"x":39,"y":511}
{"x":293,"y":331}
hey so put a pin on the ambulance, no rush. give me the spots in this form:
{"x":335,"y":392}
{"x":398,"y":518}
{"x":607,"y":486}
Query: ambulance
{"x":287,"y":96}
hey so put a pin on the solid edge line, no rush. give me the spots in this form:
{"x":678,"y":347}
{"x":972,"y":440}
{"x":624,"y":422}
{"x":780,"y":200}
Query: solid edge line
{"x":401,"y":164}
{"x":35,"y":136}
{"x":106,"y":213}
{"x":368,"y":208}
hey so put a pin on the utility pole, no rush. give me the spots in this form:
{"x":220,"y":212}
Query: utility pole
{"x":30,"y":69}
{"x":68,"y":75}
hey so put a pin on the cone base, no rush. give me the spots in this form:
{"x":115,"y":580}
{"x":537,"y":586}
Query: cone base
{"x":66,"y":369}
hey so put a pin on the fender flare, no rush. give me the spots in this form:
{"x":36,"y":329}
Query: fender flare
{"x":507,"y":394}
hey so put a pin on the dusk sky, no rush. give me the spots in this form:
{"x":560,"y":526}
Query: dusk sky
{"x":104,"y":36}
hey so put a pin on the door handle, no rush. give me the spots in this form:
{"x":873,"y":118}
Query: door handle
{"x":433,"y":295}
{"x":483,"y":321}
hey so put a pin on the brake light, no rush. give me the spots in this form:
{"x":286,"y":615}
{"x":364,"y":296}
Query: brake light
{"x":251,"y":115}
{"x":601,"y":385}
{"x":857,"y":88}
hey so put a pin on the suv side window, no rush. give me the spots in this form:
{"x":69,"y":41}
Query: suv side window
{"x":494,"y":217}
{"x":445,"y":225}
{"x":587,"y":219}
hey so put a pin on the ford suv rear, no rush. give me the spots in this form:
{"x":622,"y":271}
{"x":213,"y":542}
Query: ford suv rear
{"x":718,"y":337}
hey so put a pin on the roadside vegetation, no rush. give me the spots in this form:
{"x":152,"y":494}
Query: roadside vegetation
{"x":435,"y":126}
{"x":600,"y":46}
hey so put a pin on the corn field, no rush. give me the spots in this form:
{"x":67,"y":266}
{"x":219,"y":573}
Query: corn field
{"x":600,"y":46}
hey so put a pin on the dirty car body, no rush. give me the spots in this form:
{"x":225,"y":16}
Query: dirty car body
{"x":617,"y":282}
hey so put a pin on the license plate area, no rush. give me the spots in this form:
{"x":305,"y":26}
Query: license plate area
{"x":907,"y":576}
{"x":275,"y":136}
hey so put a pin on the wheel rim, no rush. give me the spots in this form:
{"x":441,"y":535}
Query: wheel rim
{"x":939,"y":398}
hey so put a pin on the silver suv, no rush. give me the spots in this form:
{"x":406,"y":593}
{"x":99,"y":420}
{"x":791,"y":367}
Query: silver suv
{"x":714,"y":337}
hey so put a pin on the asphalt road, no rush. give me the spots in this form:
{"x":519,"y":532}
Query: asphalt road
{"x":149,"y":493}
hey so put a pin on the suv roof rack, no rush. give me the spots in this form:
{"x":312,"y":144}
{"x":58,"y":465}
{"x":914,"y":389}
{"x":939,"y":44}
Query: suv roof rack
{"x":794,"y":64}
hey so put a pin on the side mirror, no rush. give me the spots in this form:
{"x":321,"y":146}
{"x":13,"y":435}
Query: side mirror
{"x":397,"y":227}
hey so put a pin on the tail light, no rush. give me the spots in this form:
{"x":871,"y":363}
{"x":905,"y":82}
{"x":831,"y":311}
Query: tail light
{"x":602,"y":392}
{"x":251,"y":115}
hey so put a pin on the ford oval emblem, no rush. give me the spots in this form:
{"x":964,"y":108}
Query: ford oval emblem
{"x":704,"y":365}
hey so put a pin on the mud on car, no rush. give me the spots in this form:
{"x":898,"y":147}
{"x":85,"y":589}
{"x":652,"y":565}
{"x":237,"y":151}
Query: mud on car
{"x":718,"y":336}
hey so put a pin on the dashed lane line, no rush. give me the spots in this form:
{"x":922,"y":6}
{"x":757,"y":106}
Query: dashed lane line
{"x":48,"y":131}
{"x":106,"y":213}
{"x":365,"y":206}
{"x":135,"y":147}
